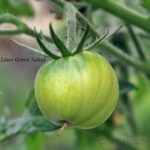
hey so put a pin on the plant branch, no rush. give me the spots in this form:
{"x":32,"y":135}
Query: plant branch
{"x":125,"y":58}
{"x":137,"y":45}
{"x":123,"y":12}
{"x":136,"y":42}
{"x":21,"y":27}
{"x":127,"y":107}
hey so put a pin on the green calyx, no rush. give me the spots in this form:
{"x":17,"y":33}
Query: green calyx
{"x":81,"y":43}
{"x":43,"y":47}
{"x":59,"y":44}
{"x":65,"y":52}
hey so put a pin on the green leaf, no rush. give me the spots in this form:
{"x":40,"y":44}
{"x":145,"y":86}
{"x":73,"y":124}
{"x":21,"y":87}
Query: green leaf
{"x":146,"y":4}
{"x":31,"y":104}
{"x":9,"y":128}
{"x":81,"y":43}
{"x":34,"y":109}
{"x":24,"y":124}
{"x":58,"y":2}
{"x":37,"y":144}
{"x":39,"y":123}
{"x":86,"y":140}
{"x":126,"y":86}
{"x":17,"y":8}
{"x":30,"y":48}
{"x":59,"y":44}
{"x":30,"y":98}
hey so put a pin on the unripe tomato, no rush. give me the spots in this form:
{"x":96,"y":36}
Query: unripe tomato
{"x":81,"y":89}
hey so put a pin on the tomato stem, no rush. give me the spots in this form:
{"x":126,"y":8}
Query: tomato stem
{"x":64,"y":125}
{"x":123,"y":12}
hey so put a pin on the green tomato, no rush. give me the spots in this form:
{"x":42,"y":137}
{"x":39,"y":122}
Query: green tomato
{"x":81,"y":90}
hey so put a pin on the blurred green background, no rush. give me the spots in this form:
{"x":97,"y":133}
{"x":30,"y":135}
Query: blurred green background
{"x":128,"y":125}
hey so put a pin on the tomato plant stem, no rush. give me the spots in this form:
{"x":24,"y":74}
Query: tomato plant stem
{"x":136,"y":42}
{"x":21,"y":27}
{"x":123,"y":12}
{"x":125,"y":57}
{"x":65,"y":124}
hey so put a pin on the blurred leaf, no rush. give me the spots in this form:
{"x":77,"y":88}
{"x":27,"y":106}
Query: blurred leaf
{"x":29,"y":48}
{"x":31,"y":104}
{"x":37,"y":144}
{"x":9,"y":128}
{"x":30,"y":99}
{"x":56,"y":11}
{"x":25,"y":124}
{"x":146,"y":4}
{"x":17,"y":8}
{"x":38,"y":123}
{"x":58,"y":2}
{"x":126,"y":86}
{"x":141,"y":103}
{"x":85,"y":140}
{"x":1,"y":93}
{"x":35,"y":110}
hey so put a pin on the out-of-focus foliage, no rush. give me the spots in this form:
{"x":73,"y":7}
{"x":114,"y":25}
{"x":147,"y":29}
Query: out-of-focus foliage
{"x":146,"y":4}
{"x":126,"y":86}
{"x":16,"y":7}
{"x":24,"y":124}
{"x":22,"y":115}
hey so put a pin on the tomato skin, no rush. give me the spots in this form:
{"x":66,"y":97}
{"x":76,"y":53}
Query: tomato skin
{"x":80,"y":89}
